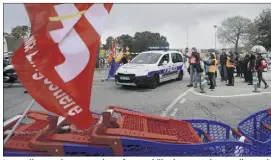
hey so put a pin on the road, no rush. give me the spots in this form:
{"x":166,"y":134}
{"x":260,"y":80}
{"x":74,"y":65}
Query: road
{"x":171,"y":99}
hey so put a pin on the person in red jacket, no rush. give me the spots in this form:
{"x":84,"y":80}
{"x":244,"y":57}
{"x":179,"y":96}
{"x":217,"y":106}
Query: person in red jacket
{"x":194,"y":68}
{"x":260,"y":65}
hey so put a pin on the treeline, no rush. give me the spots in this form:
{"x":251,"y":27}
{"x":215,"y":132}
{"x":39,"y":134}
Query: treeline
{"x":240,"y":31}
{"x":139,"y":42}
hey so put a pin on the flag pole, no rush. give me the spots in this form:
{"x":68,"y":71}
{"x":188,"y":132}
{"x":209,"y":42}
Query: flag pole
{"x":19,"y":121}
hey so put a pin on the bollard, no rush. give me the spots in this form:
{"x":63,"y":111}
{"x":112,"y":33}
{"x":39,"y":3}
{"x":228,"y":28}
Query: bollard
{"x":202,"y":82}
{"x":255,"y":82}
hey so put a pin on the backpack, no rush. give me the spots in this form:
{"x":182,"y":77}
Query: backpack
{"x":264,"y":64}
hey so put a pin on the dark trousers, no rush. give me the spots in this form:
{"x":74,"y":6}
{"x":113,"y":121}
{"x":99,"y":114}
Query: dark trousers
{"x":260,"y":78}
{"x":245,"y":72}
{"x":230,"y":72}
{"x":211,"y":79}
{"x":250,"y":77}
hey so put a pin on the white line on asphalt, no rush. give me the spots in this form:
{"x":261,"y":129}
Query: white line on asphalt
{"x":183,"y":100}
{"x":174,"y":113}
{"x":230,"y":96}
{"x":176,"y":100}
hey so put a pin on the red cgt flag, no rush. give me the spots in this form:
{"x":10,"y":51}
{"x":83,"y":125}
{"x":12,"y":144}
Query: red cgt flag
{"x":56,"y":64}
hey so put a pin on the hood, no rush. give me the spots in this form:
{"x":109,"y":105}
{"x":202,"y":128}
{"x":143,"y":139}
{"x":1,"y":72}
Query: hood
{"x":138,"y":69}
{"x":135,"y":66}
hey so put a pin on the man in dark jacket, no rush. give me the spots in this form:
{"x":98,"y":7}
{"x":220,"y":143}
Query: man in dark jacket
{"x":259,"y":69}
{"x":223,"y":68}
{"x":245,"y":69}
{"x":238,"y":68}
{"x":230,"y":64}
{"x":251,"y":68}
{"x":194,"y":67}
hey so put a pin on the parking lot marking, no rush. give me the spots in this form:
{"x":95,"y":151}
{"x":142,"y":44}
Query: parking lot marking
{"x":173,"y":114}
{"x":175,"y":101}
{"x":183,"y":100}
{"x":231,"y":96}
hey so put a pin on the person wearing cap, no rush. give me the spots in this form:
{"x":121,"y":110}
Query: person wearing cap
{"x":259,"y":67}
{"x":194,"y":67}
{"x":230,"y":68}
{"x":223,"y":68}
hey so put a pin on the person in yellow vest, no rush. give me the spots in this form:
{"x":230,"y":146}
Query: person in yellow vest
{"x":230,"y":68}
{"x":211,"y":71}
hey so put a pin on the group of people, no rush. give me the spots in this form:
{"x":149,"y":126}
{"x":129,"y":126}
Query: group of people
{"x":228,"y":62}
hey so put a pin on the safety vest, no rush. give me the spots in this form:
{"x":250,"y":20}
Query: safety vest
{"x":212,"y":68}
{"x":229,"y":64}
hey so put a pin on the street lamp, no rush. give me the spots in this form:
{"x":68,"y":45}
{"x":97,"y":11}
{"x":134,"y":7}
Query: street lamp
{"x":215,"y":26}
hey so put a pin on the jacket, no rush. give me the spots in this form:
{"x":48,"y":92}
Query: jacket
{"x":223,"y":59}
{"x":211,"y":65}
{"x":251,"y":65}
{"x":230,"y":61}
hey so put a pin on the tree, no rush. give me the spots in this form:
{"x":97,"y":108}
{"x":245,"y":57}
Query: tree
{"x":125,"y":40}
{"x":143,"y":40}
{"x":19,"y":32}
{"x":108,"y":43}
{"x":251,"y":39}
{"x":263,"y":23}
{"x":233,"y":30}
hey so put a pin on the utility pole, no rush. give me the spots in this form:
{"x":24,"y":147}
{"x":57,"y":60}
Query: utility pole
{"x":187,"y":28}
{"x":215,"y":26}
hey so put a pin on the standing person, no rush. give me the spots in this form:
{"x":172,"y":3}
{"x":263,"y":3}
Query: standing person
{"x":194,"y":67}
{"x":211,"y":63}
{"x":245,"y":68}
{"x":238,"y":70}
{"x":251,"y":68}
{"x":230,"y":68}
{"x":241,"y":66}
{"x":223,"y":68}
{"x":260,"y":65}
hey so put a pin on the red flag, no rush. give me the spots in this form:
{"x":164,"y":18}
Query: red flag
{"x":114,"y":45}
{"x":63,"y":49}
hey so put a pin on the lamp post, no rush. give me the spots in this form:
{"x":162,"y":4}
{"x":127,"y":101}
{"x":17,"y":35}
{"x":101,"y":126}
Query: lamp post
{"x":215,"y":26}
{"x":186,"y":27}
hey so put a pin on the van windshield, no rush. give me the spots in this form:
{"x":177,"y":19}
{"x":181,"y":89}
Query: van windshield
{"x":146,"y":58}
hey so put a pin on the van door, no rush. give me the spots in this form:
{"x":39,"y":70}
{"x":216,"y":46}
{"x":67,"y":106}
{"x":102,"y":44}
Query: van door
{"x":164,"y":68}
{"x":177,"y":64}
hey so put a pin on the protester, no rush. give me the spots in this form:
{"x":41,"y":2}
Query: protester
{"x":223,"y":68}
{"x":240,"y":62}
{"x":245,"y":67}
{"x":260,"y":65}
{"x":251,"y":68}
{"x":194,"y":67}
{"x":238,"y":67}
{"x":230,"y":69}
{"x":211,"y":63}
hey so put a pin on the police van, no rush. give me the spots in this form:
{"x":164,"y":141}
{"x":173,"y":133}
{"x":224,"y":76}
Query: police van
{"x":152,"y":67}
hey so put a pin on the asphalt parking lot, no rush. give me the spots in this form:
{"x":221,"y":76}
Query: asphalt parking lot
{"x":171,"y":99}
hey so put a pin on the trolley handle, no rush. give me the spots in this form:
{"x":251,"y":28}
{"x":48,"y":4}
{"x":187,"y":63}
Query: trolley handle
{"x":237,"y":134}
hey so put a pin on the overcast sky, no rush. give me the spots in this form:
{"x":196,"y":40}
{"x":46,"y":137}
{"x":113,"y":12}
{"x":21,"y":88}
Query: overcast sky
{"x":169,"y":20}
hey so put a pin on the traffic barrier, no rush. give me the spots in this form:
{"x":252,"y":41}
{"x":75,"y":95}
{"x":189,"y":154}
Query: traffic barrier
{"x":203,"y":82}
{"x":257,"y":129}
{"x":18,"y":144}
{"x":123,"y":132}
{"x":255,"y":82}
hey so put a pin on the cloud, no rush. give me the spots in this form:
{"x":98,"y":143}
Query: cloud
{"x":170,"y":20}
